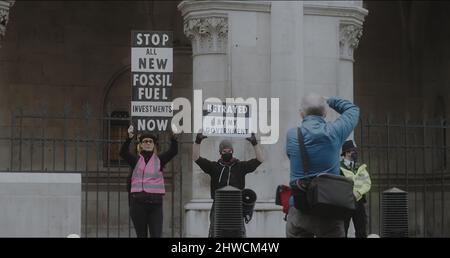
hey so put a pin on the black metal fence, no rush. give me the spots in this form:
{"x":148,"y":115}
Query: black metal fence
{"x":89,"y":145}
{"x":412,"y":156}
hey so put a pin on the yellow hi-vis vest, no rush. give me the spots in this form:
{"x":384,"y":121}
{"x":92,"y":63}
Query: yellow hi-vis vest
{"x":361,"y":180}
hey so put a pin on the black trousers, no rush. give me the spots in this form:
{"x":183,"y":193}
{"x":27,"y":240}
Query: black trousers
{"x":359,"y":220}
{"x":146,"y":217}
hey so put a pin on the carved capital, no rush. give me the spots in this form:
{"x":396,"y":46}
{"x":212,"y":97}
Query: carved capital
{"x":4,"y":16}
{"x":349,"y":35}
{"x":209,"y":35}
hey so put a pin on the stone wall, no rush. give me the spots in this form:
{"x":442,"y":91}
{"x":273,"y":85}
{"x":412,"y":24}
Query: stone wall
{"x":58,"y":55}
{"x":402,"y":61}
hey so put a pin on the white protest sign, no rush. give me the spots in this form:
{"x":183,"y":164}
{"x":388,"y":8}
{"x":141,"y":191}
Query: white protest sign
{"x":151,"y":80}
{"x":227,"y":119}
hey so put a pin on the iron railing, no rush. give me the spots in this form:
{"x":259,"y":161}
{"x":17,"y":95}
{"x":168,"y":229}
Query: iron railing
{"x":411,"y":156}
{"x":86,"y":145}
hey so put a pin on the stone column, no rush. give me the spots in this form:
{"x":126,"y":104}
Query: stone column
{"x":350,"y":31}
{"x":287,"y":76}
{"x":209,"y":35}
{"x":333,"y":29}
{"x":5,"y":6}
{"x":231,"y":58}
{"x":349,"y":35}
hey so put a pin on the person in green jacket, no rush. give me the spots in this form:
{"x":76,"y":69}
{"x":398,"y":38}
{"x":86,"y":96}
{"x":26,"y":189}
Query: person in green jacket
{"x":360,"y":176}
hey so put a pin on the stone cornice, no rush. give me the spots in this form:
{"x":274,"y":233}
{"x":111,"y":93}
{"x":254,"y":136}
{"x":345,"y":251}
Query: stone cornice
{"x":353,"y":12}
{"x":187,"y":7}
{"x":206,"y":22}
{"x":351,"y":16}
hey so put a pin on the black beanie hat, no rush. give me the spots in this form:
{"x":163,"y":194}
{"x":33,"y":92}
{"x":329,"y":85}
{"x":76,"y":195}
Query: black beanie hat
{"x":148,"y":135}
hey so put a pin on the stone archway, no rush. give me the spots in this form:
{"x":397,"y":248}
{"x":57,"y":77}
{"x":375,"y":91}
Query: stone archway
{"x":117,"y":93}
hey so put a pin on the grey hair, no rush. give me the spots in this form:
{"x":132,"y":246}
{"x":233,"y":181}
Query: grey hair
{"x":313,"y":104}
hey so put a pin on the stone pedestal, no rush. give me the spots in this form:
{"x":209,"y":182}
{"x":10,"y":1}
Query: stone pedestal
{"x":40,"y":204}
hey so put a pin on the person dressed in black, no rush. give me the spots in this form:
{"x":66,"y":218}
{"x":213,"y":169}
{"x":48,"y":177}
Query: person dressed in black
{"x":146,"y":182}
{"x":227,"y":171}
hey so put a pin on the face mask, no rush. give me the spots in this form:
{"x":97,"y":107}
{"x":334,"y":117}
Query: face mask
{"x":354,"y":156}
{"x":227,"y":156}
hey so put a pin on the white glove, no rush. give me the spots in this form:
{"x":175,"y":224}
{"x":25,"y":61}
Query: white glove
{"x":130,"y":131}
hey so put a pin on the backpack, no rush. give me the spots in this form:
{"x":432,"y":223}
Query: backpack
{"x":282,"y":196}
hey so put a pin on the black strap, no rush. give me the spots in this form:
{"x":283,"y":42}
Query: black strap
{"x":303,"y":153}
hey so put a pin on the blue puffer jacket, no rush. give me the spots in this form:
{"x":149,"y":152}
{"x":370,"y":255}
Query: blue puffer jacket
{"x":323,"y":140}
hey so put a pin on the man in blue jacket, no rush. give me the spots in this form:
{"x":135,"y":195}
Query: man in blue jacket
{"x":323,"y":141}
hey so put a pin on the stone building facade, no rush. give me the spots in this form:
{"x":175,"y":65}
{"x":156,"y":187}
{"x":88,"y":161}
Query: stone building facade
{"x":63,"y":61}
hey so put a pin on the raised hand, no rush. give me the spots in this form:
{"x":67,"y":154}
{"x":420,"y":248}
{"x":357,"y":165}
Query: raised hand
{"x":200,"y":138}
{"x":130,"y":131}
{"x":252,"y":139}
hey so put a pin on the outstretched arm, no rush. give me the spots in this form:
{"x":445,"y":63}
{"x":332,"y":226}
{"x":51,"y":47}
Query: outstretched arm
{"x":196,"y":147}
{"x":348,"y":120}
{"x":125,"y":149}
{"x":258,"y":150}
{"x":259,"y":153}
{"x":165,"y":157}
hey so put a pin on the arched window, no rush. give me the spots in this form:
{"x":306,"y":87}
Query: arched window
{"x":116,"y":105}
{"x":116,"y":131}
